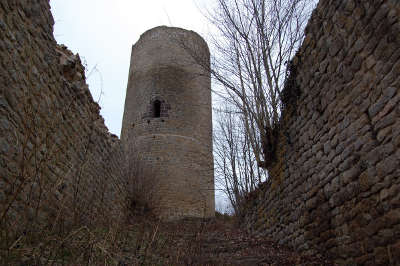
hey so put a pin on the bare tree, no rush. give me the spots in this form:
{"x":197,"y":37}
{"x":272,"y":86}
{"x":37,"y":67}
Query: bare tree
{"x":236,"y":171}
{"x":253,"y":43}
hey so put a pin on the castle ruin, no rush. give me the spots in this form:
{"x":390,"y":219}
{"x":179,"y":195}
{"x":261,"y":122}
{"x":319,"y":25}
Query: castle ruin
{"x":166,"y":129}
{"x":335,"y":185}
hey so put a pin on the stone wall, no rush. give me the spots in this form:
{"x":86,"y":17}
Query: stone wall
{"x":335,"y":185}
{"x":59,"y":165}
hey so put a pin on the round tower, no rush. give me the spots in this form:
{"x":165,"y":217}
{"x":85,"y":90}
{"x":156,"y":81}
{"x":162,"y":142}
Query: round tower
{"x":166,"y":128}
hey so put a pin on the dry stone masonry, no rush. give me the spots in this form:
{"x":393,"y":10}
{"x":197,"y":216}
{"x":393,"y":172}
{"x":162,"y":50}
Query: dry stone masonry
{"x":59,"y":165}
{"x":166,"y":130}
{"x":335,"y":185}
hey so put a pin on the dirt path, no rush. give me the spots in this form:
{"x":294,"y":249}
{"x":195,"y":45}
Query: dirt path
{"x":215,"y":242}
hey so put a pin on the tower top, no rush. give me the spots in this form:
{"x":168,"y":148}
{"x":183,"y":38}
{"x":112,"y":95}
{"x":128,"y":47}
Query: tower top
{"x":172,"y":33}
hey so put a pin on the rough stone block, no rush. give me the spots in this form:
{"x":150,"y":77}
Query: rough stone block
{"x":395,"y":253}
{"x":381,"y":256}
{"x":387,"y":166}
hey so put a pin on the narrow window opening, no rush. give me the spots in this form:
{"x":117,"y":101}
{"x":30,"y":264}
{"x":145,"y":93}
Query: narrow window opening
{"x":156,"y":108}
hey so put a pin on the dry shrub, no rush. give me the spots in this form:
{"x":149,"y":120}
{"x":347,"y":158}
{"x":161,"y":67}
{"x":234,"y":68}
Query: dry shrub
{"x":51,"y":214}
{"x":142,"y":187}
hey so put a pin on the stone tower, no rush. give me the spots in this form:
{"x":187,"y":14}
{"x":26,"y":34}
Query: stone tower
{"x":166,"y":129}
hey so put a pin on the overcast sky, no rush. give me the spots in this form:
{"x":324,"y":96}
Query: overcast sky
{"x":103,"y":32}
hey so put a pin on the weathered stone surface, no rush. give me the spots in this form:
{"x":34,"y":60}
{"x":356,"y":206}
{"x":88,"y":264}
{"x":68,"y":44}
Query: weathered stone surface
{"x":55,"y":138}
{"x":357,"y":170}
{"x":177,"y":141}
